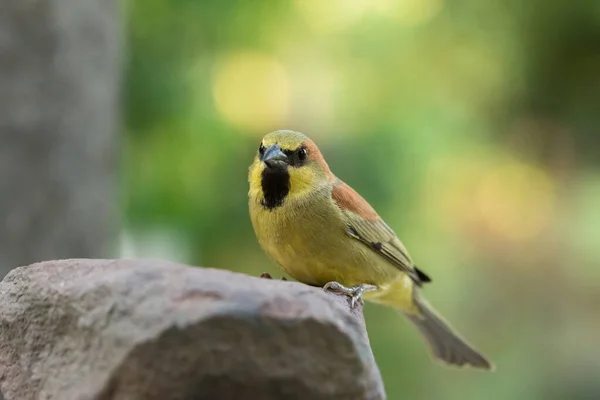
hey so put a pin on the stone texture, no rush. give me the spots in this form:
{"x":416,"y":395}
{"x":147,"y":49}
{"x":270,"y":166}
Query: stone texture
{"x":150,"y":329}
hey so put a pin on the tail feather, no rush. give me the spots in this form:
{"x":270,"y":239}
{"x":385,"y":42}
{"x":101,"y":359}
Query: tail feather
{"x":446,"y":345}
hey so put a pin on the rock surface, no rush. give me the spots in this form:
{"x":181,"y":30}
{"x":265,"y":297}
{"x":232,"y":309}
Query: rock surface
{"x":150,"y":329}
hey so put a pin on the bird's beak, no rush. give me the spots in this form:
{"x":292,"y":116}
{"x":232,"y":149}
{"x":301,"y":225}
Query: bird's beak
{"x":274,"y":157}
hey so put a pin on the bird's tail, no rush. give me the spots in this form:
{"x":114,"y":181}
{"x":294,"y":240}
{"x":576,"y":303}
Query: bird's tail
{"x":446,"y":345}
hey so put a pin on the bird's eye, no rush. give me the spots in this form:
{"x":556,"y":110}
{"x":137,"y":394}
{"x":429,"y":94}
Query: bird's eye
{"x":302,"y":153}
{"x":261,"y":149}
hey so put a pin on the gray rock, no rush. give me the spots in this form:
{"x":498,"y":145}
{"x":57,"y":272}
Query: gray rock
{"x":150,"y":329}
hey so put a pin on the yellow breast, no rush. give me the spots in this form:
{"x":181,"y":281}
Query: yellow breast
{"x":306,"y":236}
{"x":309,"y":241}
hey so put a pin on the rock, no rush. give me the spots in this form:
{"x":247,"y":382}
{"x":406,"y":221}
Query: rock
{"x":150,"y":329}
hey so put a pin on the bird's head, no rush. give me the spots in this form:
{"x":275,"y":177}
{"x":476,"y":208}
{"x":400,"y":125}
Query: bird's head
{"x":287,"y":165}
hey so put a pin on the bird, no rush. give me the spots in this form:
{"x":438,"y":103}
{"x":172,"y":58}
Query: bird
{"x":322,"y":233}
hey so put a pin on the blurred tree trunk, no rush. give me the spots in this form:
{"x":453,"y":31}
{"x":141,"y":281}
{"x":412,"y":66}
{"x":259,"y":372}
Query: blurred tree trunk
{"x":60,"y":68}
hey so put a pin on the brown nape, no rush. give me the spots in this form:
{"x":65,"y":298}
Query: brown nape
{"x":347,"y":199}
{"x":315,"y":155}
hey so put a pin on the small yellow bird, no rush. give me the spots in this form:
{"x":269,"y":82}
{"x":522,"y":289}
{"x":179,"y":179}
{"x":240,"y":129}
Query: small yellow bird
{"x":322,"y":233}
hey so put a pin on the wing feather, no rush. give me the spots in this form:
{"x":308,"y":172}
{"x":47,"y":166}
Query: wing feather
{"x":365,"y":225}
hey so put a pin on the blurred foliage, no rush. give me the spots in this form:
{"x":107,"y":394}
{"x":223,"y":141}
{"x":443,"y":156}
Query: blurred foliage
{"x":473,"y":128}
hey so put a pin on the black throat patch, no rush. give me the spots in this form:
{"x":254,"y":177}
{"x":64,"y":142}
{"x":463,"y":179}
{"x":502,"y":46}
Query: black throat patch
{"x":275,"y":184}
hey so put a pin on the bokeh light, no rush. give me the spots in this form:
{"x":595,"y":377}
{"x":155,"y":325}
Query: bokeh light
{"x":412,"y":12}
{"x":515,"y":200}
{"x":327,"y":17}
{"x":252,"y":91}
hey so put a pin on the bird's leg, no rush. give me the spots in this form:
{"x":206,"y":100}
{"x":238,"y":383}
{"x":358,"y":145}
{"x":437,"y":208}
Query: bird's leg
{"x":355,"y":292}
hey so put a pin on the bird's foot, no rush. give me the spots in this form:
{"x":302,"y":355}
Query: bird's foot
{"x":355,"y":292}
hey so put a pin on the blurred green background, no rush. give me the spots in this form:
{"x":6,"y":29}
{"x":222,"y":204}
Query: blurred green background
{"x":472,"y":127}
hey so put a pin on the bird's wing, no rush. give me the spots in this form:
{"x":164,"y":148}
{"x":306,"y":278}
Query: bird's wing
{"x":365,"y":225}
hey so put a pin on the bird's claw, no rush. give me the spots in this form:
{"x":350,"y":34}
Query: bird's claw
{"x":266,"y":275}
{"x":355,"y":292}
